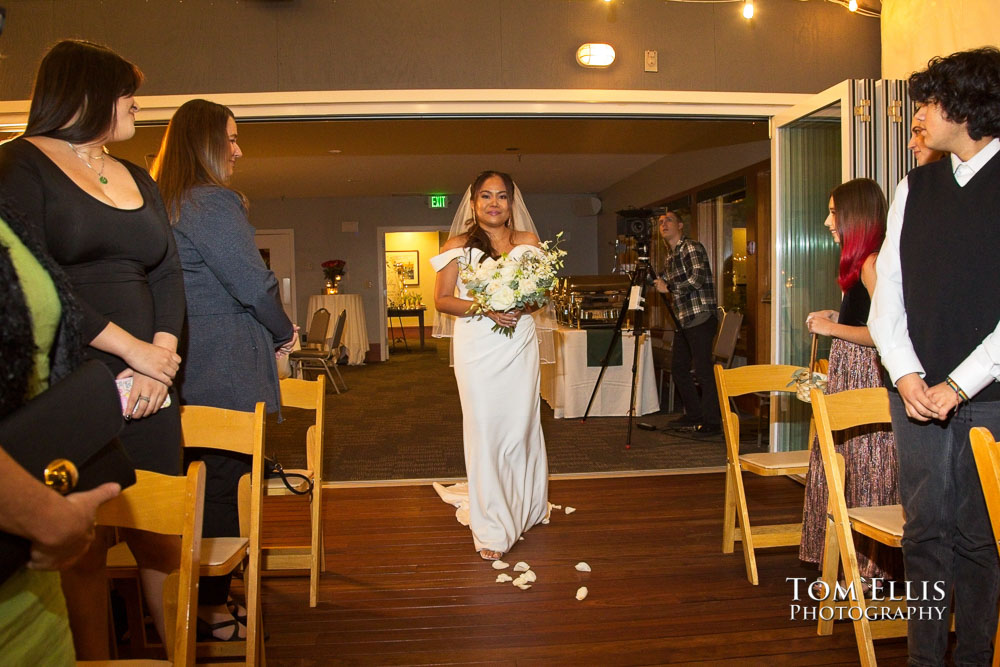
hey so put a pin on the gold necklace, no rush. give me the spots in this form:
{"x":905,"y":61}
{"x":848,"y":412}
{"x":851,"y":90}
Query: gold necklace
{"x":86,"y":158}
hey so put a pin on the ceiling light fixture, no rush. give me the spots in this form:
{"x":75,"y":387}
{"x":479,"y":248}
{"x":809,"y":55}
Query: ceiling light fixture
{"x":748,"y":9}
{"x":853,"y":5}
{"x":595,"y":55}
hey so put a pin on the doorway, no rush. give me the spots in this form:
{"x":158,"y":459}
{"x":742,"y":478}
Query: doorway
{"x":277,"y":248}
{"x":406,"y":283}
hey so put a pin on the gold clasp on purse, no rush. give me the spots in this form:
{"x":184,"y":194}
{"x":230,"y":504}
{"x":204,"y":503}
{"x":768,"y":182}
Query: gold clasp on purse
{"x":61,"y":475}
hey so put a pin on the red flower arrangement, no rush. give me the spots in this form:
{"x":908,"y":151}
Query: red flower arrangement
{"x":333,"y":268}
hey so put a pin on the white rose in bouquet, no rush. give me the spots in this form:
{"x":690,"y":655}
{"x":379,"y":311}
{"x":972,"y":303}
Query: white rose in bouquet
{"x":503,"y":299}
{"x":527,"y":286}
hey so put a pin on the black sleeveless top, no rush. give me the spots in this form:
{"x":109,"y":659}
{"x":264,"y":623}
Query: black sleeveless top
{"x":855,"y":306}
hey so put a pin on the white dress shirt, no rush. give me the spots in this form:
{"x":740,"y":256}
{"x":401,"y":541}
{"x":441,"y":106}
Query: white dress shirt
{"x":887,"y":317}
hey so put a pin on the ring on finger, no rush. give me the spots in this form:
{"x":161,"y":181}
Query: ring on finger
{"x":143,"y":398}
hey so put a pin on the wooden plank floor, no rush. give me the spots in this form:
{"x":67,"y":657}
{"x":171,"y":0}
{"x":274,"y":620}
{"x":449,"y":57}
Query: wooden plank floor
{"x":404,"y":585}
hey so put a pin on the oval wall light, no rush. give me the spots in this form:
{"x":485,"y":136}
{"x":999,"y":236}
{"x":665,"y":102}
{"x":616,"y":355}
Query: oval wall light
{"x":595,"y":55}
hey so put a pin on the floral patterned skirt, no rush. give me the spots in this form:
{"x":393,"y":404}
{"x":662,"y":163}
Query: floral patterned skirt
{"x":870,"y":462}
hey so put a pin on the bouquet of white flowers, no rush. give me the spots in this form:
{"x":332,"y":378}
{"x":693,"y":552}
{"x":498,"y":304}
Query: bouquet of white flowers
{"x":511,"y":284}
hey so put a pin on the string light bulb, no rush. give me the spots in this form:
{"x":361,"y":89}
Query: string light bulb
{"x":748,"y":9}
{"x":853,"y":5}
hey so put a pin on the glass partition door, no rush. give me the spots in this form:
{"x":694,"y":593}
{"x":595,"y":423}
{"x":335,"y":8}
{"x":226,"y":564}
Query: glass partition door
{"x":811,"y":151}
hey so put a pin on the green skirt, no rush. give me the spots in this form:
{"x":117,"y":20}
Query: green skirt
{"x":34,"y":627}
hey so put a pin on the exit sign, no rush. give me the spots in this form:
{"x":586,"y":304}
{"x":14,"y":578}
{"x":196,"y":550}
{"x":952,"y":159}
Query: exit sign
{"x":437,"y":201}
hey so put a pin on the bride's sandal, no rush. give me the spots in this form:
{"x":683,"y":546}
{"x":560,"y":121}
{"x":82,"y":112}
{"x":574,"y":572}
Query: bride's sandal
{"x":489,"y":554}
{"x":235,"y":609}
{"x":206,"y":631}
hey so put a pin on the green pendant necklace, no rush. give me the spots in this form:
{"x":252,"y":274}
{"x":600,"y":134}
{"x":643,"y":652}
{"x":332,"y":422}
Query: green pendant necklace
{"x":86,"y":160}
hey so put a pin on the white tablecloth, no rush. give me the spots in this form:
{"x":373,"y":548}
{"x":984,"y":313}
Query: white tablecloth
{"x":355,"y":338}
{"x":568,"y":383}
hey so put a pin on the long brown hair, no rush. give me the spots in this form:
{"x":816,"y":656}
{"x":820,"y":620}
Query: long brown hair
{"x":194,"y":152}
{"x":477,"y":236}
{"x":860,"y":211}
{"x":82,"y":80}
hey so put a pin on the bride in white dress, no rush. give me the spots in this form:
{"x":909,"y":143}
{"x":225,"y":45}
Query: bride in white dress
{"x":498,"y":377}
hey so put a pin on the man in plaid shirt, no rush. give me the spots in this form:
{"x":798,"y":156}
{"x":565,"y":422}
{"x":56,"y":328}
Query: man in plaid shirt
{"x":688,"y":279}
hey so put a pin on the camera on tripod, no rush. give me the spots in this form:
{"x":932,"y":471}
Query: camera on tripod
{"x":636,"y":223}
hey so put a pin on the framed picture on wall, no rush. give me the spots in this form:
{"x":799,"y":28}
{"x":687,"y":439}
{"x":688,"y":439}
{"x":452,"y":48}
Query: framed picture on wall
{"x":406,"y":263}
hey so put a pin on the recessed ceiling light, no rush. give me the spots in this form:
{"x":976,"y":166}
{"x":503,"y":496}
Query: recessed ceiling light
{"x":334,"y":151}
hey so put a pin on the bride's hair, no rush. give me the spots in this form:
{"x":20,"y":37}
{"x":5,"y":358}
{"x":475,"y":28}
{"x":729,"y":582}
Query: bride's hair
{"x":477,"y":236}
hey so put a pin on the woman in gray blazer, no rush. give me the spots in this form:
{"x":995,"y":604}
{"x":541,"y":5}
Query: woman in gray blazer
{"x":235,"y":325}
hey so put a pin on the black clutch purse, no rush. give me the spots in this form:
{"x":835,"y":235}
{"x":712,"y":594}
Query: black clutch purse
{"x":66,"y":437}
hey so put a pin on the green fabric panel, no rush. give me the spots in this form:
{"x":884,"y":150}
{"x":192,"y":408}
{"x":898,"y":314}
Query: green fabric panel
{"x":597,"y":346}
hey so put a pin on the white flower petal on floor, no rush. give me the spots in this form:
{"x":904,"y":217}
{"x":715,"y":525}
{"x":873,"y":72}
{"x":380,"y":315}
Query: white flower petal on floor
{"x":503,"y":578}
{"x":545,"y":521}
{"x":581,"y":592}
{"x":570,"y":510}
{"x":582,"y":567}
{"x":500,"y":565}
{"x":523,"y":587}
{"x":529,"y":576}
{"x":556,"y":507}
{"x":521,"y":566}
{"x":521,"y":538}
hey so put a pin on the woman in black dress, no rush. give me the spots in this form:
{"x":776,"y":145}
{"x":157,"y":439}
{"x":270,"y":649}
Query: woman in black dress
{"x":102,"y":220}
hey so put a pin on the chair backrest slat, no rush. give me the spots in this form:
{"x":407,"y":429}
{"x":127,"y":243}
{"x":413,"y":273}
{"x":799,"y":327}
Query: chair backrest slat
{"x":338,"y":332}
{"x":318,"y":326}
{"x":756,"y":378}
{"x":217,"y":428}
{"x":847,"y":409}
{"x":729,"y":333}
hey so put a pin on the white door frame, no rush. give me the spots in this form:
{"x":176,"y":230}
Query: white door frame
{"x":430,"y":103}
{"x":838,"y":93}
{"x":290,"y":233}
{"x":383,"y":323}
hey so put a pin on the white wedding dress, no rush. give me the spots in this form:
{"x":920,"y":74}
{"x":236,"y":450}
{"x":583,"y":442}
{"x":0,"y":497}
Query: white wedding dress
{"x":498,"y":382}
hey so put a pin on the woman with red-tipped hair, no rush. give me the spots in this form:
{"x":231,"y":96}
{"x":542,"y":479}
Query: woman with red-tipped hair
{"x":857,"y":222}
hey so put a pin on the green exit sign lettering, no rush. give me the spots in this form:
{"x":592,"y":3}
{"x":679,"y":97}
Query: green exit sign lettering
{"x":437,"y":201}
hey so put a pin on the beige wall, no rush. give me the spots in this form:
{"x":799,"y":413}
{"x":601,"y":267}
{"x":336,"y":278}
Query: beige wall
{"x":914,"y":31}
{"x":320,"y":235}
{"x":223,"y":46}
{"x":426,"y":244}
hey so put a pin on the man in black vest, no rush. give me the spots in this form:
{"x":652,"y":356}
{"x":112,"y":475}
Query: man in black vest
{"x":935,"y":318}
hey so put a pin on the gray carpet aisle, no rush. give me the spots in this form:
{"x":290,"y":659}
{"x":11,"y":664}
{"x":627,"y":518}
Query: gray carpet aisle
{"x":402,"y":420}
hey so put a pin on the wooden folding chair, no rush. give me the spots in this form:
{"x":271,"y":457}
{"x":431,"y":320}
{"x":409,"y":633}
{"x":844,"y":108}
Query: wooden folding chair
{"x":169,"y":506}
{"x":242,"y":433}
{"x":308,"y":396}
{"x":987,"y":454}
{"x":837,"y":412}
{"x":734,"y":382}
